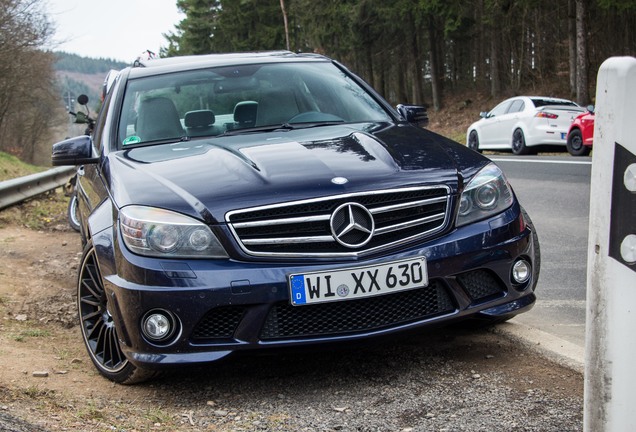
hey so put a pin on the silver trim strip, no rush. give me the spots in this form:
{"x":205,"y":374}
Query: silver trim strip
{"x":409,"y":224}
{"x":286,"y":221}
{"x":407,"y":205}
{"x":289,"y":240}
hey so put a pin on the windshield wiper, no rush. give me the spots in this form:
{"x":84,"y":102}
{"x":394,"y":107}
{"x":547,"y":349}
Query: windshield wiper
{"x":281,"y":127}
{"x":159,"y":141}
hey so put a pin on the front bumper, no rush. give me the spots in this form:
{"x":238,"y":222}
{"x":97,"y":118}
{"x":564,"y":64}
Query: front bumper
{"x":225,"y":306}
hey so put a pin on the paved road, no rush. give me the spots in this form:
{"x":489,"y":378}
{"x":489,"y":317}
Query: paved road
{"x":556,"y":193}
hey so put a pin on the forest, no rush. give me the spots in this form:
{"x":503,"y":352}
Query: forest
{"x":412,"y":51}
{"x":420,"y":50}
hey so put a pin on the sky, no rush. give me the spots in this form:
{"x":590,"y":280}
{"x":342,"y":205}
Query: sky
{"x":117,"y":29}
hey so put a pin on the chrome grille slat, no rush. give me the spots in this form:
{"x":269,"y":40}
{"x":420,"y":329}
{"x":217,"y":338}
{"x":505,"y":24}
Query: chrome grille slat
{"x":288,"y":240}
{"x":303,"y":228}
{"x":285,"y":221}
{"x":408,"y":205}
{"x":409,"y":224}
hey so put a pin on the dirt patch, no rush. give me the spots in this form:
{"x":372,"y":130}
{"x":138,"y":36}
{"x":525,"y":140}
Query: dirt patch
{"x":451,"y":379}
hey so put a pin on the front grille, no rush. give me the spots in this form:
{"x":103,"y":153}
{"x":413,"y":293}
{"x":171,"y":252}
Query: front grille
{"x":219,"y":323}
{"x":304,"y":228}
{"x":481,"y":285}
{"x":286,"y":321}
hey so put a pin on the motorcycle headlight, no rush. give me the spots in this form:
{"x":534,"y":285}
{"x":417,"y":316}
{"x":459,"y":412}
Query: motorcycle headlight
{"x":487,"y":194}
{"x":162,"y":233}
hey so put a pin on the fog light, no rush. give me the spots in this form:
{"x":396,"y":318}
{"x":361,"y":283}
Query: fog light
{"x":158,"y":325}
{"x":521,"y":271}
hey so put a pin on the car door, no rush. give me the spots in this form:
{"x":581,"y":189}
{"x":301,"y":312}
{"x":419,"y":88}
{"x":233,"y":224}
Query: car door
{"x":507,"y":122}
{"x":490,"y":129}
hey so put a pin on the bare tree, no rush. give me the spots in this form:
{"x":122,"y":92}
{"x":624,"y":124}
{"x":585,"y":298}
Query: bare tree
{"x":572,"y":45}
{"x":26,"y":77}
{"x":282,"y":8}
{"x":582,"y":92}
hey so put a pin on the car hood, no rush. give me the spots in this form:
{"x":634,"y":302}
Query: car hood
{"x":206,"y":178}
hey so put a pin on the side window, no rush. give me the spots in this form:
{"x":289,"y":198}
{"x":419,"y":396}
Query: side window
{"x":499,"y":109}
{"x":516,"y":106}
{"x":99,"y":124}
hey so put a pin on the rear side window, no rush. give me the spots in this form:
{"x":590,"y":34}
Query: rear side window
{"x":516,"y":106}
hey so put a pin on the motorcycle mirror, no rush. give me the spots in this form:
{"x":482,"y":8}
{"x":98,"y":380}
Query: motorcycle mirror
{"x":82,"y":99}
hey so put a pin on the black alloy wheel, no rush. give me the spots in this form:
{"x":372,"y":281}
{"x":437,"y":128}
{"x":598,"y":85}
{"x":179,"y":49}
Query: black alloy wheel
{"x":473,"y":141}
{"x":98,"y":328}
{"x":519,"y":143}
{"x":575,"y":144}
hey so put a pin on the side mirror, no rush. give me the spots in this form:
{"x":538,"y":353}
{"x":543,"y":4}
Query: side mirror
{"x":590,"y":108}
{"x":415,"y":114}
{"x":483,"y":114}
{"x":73,"y":151}
{"x":82,"y":99}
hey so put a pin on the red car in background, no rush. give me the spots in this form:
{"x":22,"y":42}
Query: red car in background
{"x":581,"y":133}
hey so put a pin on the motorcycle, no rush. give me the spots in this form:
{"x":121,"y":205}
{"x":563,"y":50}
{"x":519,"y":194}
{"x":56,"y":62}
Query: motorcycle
{"x":70,"y":186}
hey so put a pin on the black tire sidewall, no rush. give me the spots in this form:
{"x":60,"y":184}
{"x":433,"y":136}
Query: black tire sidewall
{"x":473,"y":141}
{"x":129,"y":374}
{"x":581,"y":150}
{"x":72,"y":213}
{"x":522,"y":149}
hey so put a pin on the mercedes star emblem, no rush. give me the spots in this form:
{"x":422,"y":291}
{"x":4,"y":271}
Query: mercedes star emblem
{"x":352,"y":225}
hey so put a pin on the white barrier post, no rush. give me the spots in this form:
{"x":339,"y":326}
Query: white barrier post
{"x":610,"y":366}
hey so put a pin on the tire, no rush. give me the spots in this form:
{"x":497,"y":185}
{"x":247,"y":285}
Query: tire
{"x":575,"y":144}
{"x":473,"y":141}
{"x":519,"y":143}
{"x":73,"y":214}
{"x":99,"y":332}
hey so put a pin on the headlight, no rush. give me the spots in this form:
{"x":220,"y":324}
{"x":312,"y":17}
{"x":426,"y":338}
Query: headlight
{"x":161,"y":233}
{"x":487,"y":194}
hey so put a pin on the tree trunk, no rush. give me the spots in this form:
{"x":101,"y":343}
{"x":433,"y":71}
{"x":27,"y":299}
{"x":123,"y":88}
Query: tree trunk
{"x":582,"y":92}
{"x":572,"y":45}
{"x":495,"y":77}
{"x":282,"y":8}
{"x":434,"y":64}
{"x":416,"y":64}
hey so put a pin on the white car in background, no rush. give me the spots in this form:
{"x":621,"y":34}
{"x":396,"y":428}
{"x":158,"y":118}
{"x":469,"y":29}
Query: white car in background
{"x":522,"y":123}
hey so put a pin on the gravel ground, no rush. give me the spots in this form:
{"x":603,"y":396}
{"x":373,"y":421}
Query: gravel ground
{"x":453,"y":380}
{"x":449,"y":379}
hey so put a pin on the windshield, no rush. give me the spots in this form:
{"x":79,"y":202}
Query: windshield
{"x":240,"y":99}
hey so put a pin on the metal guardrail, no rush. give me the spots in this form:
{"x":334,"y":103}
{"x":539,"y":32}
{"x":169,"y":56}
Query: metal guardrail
{"x":19,"y":189}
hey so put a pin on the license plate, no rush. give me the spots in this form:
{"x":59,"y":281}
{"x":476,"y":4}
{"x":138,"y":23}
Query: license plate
{"x":358,"y":282}
{"x":563,"y":134}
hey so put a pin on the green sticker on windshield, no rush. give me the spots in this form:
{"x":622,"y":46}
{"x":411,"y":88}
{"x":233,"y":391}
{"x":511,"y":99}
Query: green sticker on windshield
{"x":132,"y":140}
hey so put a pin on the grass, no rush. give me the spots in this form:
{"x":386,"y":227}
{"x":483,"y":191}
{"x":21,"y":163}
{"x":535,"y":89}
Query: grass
{"x":40,"y":213}
{"x":12,"y":167}
{"x":31,"y":333}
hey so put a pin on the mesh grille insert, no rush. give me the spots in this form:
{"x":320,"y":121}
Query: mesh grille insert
{"x":481,"y":285}
{"x":219,"y":323}
{"x":286,"y":321}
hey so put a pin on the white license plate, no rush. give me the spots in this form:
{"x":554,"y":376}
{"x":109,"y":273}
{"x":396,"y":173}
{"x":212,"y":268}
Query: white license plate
{"x":358,"y":282}
{"x":563,"y":134}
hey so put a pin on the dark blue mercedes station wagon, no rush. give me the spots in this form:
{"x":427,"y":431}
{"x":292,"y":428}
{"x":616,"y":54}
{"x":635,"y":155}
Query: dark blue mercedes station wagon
{"x":252,"y":201}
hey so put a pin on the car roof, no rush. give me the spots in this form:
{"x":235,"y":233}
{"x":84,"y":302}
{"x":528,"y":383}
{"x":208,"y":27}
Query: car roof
{"x":174,"y":64}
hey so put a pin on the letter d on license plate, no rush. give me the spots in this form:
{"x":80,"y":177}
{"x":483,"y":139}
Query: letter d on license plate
{"x":357,"y":282}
